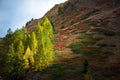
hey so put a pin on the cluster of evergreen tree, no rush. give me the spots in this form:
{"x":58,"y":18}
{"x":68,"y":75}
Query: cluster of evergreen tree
{"x":25,"y":51}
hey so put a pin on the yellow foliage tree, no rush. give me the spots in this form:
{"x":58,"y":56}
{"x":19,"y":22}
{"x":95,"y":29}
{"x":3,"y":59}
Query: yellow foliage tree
{"x":28,"y":58}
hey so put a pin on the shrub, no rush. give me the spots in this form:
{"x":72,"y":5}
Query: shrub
{"x":62,"y":27}
{"x":87,"y":52}
{"x":83,"y":36}
{"x":60,"y":10}
{"x":72,"y":22}
{"x":73,"y":7}
{"x":85,"y":66}
{"x":107,"y":33}
{"x":97,"y":38}
{"x":102,"y":45}
{"x":118,"y":33}
{"x":58,"y":71}
{"x":82,"y":31}
{"x":95,"y":24}
{"x":88,"y":42}
{"x":89,"y":14}
{"x":75,"y":47}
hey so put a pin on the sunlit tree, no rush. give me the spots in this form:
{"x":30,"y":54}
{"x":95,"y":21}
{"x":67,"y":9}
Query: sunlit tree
{"x":17,"y":36}
{"x":28,"y":58}
{"x":33,"y":43}
{"x":45,"y":52}
{"x":20,"y":50}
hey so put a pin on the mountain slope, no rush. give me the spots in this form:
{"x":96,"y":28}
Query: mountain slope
{"x":84,"y":30}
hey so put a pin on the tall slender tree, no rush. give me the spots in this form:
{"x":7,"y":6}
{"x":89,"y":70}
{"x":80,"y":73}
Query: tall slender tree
{"x":20,"y":50}
{"x":28,"y":58}
{"x":33,"y":43}
{"x":11,"y":53}
{"x":45,"y":53}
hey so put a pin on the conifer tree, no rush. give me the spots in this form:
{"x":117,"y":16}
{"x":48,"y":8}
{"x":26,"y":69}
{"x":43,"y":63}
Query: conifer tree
{"x":18,"y":35}
{"x":14,"y":63}
{"x":45,"y":52}
{"x":9,"y":31}
{"x":48,"y":28}
{"x":38,"y":56}
{"x":33,"y":43}
{"x":28,"y":58}
{"x":10,"y":60}
{"x":38,"y":32}
{"x":47,"y":39}
{"x":20,"y":50}
{"x":11,"y":53}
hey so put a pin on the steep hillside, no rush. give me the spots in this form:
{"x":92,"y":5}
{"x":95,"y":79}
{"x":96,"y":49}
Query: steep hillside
{"x":84,"y":30}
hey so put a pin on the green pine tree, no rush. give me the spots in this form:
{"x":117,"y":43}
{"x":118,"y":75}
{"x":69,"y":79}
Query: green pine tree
{"x":45,"y":53}
{"x":14,"y":65}
{"x":28,"y":58}
{"x":33,"y":43}
{"x":20,"y":50}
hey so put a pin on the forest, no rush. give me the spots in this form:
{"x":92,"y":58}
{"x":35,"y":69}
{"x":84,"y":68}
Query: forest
{"x":21,"y":51}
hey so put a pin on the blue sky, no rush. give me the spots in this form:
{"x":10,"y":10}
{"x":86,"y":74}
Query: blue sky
{"x":15,"y":13}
